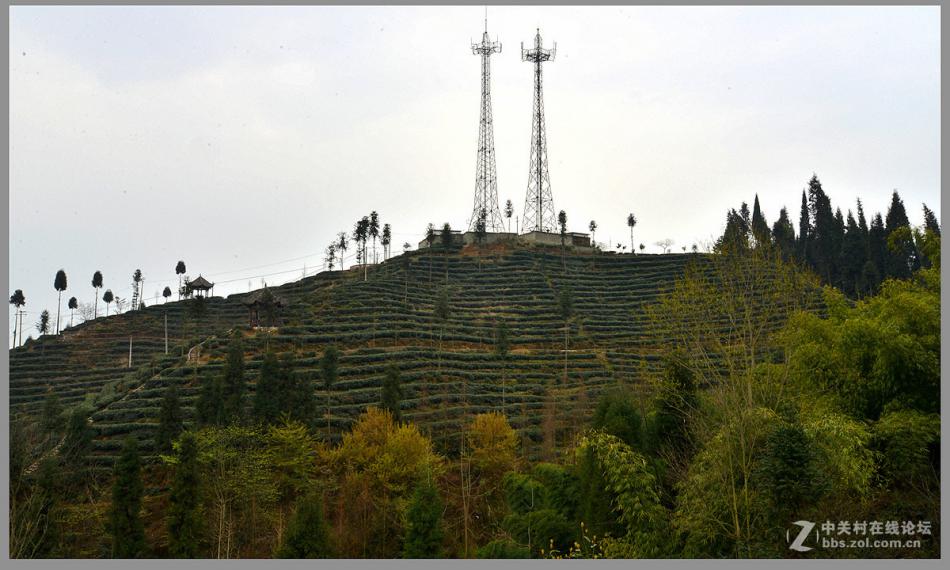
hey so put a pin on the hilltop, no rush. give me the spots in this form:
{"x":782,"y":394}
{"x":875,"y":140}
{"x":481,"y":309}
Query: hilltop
{"x":385,"y":319}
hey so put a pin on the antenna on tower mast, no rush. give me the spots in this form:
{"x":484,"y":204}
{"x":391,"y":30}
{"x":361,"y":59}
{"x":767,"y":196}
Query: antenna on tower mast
{"x":486,"y":182}
{"x":539,"y":202}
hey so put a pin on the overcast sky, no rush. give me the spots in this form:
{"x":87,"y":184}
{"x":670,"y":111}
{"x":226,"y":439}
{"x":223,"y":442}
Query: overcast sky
{"x":242,"y":139}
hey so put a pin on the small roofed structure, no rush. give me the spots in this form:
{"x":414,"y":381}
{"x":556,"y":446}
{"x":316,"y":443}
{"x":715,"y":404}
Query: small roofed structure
{"x":262,"y":307}
{"x":201,"y":285}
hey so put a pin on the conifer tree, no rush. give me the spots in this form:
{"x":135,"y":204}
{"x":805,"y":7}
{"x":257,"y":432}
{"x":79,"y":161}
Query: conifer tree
{"x":736,"y":235}
{"x":307,"y":535}
{"x":330,"y":371}
{"x":184,"y":512}
{"x":930,"y":221}
{"x":386,"y":240}
{"x":446,"y":239}
{"x":901,"y":257}
{"x":804,"y":230}
{"x":391,"y":393}
{"x":52,"y":414}
{"x":502,"y":346}
{"x":170,"y":420}
{"x":442,"y":312}
{"x":565,"y":303}
{"x":877,"y":253}
{"x":125,"y":522}
{"x":42,"y":326}
{"x":209,"y":406}
{"x":822,"y":234}
{"x":760,"y":228}
{"x":296,"y":396}
{"x":424,"y":532}
{"x":266,"y":394}
{"x":862,"y":221}
{"x":430,"y":241}
{"x":79,"y":435}
{"x":783,"y":234}
{"x":853,"y":258}
{"x":745,"y":216}
{"x":233,"y":384}
{"x":373,"y":230}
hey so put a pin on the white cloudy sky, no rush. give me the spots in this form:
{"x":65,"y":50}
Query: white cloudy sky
{"x":241,"y":139}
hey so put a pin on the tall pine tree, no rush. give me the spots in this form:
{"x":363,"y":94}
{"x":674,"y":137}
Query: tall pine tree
{"x":330,"y":370}
{"x":424,"y":530}
{"x":822,"y":252}
{"x":125,"y":522}
{"x":267,"y":392}
{"x":901,"y":257}
{"x":184,"y":512}
{"x":804,"y":230}
{"x":853,"y":258}
{"x":784,"y":234}
{"x":877,"y":253}
{"x":171,"y":422}
{"x":233,"y":384}
{"x":760,"y":228}
{"x":391,"y":396}
{"x":930,"y":221}
{"x":209,"y":407}
{"x":307,"y":535}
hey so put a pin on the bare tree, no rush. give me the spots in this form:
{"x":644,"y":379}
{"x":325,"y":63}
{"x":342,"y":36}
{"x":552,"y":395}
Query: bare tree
{"x":664,"y":244}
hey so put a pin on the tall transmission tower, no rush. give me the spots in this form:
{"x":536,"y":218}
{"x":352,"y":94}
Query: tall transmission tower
{"x":539,"y":203}
{"x":486,"y":180}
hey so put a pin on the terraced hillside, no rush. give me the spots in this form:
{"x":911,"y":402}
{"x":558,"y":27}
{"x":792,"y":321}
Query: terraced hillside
{"x":386,"y":319}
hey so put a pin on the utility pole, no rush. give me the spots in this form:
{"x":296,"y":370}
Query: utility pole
{"x":166,"y":331}
{"x":130,"y":352}
{"x":539,"y":203}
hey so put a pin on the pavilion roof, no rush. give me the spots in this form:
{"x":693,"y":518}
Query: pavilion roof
{"x":257,"y":296}
{"x":200,"y":283}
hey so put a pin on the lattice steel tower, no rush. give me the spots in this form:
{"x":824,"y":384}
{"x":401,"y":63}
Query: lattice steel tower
{"x":539,"y":203}
{"x":486,"y":181}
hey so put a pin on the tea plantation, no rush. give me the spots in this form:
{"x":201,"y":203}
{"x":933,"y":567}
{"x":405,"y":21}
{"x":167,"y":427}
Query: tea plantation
{"x":388,"y":319}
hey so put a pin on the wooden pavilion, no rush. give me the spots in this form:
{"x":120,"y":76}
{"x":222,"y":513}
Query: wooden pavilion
{"x":199,"y":285}
{"x":263,"y":307}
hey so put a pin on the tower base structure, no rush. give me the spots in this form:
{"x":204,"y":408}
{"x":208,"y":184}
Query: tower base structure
{"x":573,"y":240}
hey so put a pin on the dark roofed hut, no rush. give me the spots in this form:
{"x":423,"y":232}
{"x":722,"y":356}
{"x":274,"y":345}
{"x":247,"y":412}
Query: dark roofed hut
{"x":262,"y":303}
{"x":200,"y":284}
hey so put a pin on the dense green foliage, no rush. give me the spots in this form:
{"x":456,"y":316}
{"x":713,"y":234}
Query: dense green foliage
{"x":424,"y":532}
{"x":851,"y":255}
{"x":306,"y":536}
